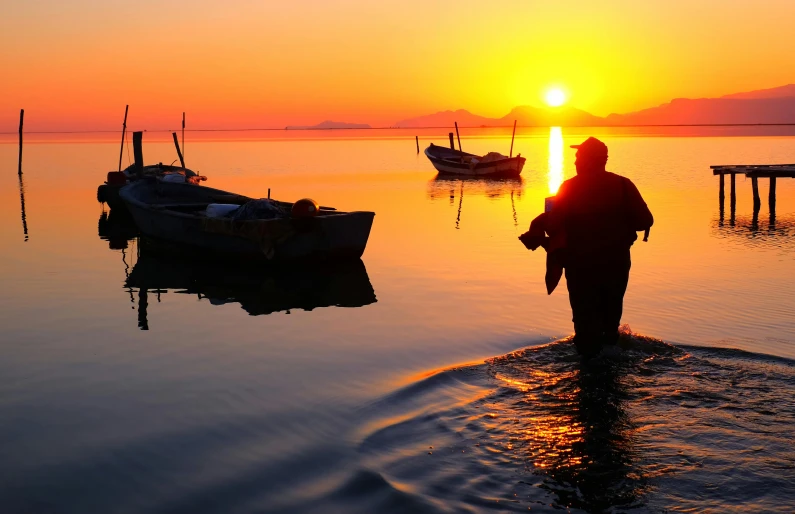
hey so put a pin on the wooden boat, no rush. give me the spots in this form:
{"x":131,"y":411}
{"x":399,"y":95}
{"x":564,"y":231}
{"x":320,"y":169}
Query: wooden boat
{"x":176,"y":213}
{"x":456,"y":162}
{"x":109,"y":191}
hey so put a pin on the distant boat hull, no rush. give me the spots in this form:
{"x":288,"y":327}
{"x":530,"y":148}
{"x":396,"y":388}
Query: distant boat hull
{"x":454,"y":162}
{"x":171,"y":212}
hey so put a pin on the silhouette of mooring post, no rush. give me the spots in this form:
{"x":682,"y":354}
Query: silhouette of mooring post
{"x":21,"y":122}
{"x":771,"y":196}
{"x":452,"y":141}
{"x":123,"y":133}
{"x":732,"y":195}
{"x":417,"y":139}
{"x":722,"y":190}
{"x":755,"y":187}
{"x":179,"y":153}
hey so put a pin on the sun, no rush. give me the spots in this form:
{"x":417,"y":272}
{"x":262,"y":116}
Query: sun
{"x":555,"y":97}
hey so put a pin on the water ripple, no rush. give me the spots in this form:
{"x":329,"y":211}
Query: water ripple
{"x":648,"y":426}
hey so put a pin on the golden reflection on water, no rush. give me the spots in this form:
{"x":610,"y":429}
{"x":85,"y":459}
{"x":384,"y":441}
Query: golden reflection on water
{"x":555,"y":174}
{"x":570,"y":425}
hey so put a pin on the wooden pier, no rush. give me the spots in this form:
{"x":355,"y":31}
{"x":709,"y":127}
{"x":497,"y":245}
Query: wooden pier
{"x":754,"y":172}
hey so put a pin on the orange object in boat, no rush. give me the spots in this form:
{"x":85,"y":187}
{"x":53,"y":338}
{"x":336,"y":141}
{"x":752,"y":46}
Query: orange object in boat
{"x":305,"y":208}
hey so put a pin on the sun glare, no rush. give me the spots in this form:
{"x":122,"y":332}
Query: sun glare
{"x":555,"y":97}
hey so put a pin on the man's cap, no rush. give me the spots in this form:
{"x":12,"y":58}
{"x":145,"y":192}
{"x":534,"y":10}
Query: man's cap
{"x":592,"y":146}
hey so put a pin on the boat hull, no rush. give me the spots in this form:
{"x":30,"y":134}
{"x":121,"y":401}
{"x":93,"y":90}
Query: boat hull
{"x":323,"y":237}
{"x":451,"y":162}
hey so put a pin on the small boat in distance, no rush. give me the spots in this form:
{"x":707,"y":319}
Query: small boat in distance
{"x":455,"y":162}
{"x":222,"y":224}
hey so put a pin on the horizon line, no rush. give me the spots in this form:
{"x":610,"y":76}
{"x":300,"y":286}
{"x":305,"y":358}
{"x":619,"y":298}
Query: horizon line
{"x":108,"y":131}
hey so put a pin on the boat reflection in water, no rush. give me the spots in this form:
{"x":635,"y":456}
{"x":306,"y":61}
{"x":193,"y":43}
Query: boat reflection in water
{"x":445,"y":186}
{"x":117,"y":228}
{"x":259,"y":290}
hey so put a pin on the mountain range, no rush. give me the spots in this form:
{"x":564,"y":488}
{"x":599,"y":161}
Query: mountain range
{"x":766,"y":106}
{"x":328,"y":124}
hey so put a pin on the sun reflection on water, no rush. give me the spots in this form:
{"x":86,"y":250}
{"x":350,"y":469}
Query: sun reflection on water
{"x":555,"y":174}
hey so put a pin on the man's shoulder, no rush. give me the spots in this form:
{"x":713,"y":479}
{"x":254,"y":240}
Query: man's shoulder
{"x":616,"y":176}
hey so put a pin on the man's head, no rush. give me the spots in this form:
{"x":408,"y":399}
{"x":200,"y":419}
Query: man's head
{"x":591,"y":156}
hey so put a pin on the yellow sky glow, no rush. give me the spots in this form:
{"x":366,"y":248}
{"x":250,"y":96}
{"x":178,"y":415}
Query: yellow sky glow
{"x":243,"y":63}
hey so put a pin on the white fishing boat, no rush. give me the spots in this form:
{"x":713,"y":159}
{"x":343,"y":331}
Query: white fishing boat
{"x":455,"y":162}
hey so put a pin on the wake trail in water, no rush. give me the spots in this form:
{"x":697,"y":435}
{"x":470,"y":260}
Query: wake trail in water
{"x":647,"y":426}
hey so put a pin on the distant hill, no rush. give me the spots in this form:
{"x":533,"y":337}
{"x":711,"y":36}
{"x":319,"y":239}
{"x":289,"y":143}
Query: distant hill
{"x":447,"y":118}
{"x":765,"y":106}
{"x":328,"y":124}
{"x":712,"y":111}
{"x":556,"y":116}
{"x":776,"y":92}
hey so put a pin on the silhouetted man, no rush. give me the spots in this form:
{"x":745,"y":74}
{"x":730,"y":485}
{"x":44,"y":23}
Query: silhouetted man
{"x":593,"y":221}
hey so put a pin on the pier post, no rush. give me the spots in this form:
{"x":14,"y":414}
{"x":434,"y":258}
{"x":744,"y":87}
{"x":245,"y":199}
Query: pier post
{"x":450,"y":135}
{"x":755,"y":186}
{"x":733,"y":191}
{"x":722,"y":190}
{"x":771,"y":196}
{"x":21,"y":122}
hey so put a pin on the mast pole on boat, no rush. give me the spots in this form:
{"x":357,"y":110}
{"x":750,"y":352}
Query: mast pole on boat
{"x":183,"y":136}
{"x":457,"y":136}
{"x":179,"y":153}
{"x":512,"y":136}
{"x":123,"y":133}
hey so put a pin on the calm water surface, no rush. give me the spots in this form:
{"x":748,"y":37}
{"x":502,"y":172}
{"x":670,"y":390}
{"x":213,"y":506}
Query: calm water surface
{"x":432,"y":376}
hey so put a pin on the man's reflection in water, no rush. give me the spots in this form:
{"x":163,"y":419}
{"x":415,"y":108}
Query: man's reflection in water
{"x":571,"y":426}
{"x":600,"y":463}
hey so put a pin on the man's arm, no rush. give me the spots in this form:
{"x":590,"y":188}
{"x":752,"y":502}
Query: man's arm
{"x":554,"y":222}
{"x":638,"y":213}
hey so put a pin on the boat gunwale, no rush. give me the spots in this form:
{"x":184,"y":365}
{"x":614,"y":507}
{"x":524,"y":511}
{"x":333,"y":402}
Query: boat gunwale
{"x":126,"y":196}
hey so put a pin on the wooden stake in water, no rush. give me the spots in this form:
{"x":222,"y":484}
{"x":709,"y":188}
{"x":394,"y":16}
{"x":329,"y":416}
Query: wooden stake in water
{"x":21,"y":122}
{"x":452,"y":141}
{"x":457,"y":136}
{"x":512,"y":136}
{"x":417,"y":139}
{"x":123,"y":133}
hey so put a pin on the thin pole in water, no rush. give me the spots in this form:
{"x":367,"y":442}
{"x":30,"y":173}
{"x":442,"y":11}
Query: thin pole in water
{"x":417,"y":139}
{"x":123,"y":132}
{"x":457,"y":136}
{"x":21,"y":122}
{"x":269,"y":193}
{"x":512,"y":136}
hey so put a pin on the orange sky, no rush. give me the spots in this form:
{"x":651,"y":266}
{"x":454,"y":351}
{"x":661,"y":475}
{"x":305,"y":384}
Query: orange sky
{"x":239,"y":63}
